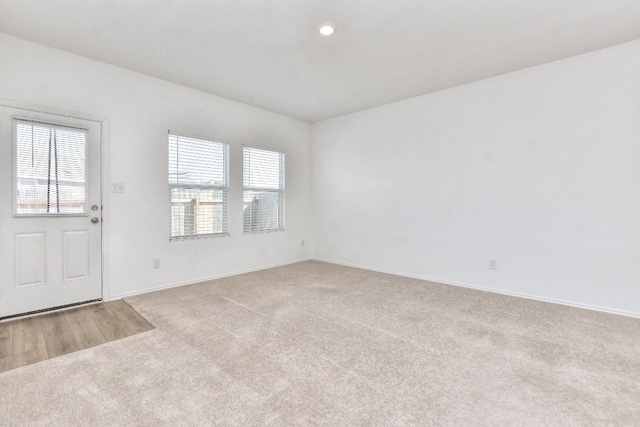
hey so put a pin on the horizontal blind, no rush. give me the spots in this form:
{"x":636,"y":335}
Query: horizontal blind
{"x":50,"y":169}
{"x":263,"y":183}
{"x":198,"y":187}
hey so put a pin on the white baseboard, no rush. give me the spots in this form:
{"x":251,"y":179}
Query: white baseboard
{"x":395,"y":273}
{"x":486,"y":289}
{"x":203,"y":279}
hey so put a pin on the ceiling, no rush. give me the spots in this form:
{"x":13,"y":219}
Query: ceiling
{"x":267,"y":53}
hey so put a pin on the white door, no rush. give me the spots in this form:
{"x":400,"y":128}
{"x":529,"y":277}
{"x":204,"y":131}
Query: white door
{"x":50,"y":211}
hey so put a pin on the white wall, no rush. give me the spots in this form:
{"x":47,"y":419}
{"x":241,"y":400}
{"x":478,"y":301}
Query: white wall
{"x":140,"y":110}
{"x":539,"y":169}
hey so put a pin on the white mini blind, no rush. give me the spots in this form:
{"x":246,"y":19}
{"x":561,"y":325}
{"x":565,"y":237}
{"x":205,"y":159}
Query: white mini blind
{"x":198,"y":187}
{"x":50,"y":168}
{"x":263,"y":183}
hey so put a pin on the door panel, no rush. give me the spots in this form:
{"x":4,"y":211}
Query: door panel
{"x":75,"y":254}
{"x":31,"y":259}
{"x":50,"y":250}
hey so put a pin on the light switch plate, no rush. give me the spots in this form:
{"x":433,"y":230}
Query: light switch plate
{"x":117,"y":187}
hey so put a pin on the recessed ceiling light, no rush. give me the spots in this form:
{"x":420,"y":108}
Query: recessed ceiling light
{"x":326,"y":29}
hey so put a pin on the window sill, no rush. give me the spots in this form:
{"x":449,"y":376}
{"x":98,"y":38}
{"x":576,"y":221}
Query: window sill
{"x":197,"y":237}
{"x":271,"y":230}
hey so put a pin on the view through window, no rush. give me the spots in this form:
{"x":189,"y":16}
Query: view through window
{"x":263,"y":182}
{"x":50,"y":169}
{"x":198,"y":187}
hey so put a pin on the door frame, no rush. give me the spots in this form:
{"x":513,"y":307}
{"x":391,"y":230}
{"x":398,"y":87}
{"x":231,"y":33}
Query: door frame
{"x":103,"y":122}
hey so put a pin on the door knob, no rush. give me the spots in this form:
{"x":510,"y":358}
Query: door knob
{"x":95,"y":220}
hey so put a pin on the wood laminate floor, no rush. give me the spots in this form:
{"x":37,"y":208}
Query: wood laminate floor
{"x":37,"y":338}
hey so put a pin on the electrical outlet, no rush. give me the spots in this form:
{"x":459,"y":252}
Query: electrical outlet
{"x":493,"y":264}
{"x":302,"y":244}
{"x":117,"y":187}
{"x":156,"y":263}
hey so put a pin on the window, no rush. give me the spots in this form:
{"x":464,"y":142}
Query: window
{"x":198,"y":187}
{"x":50,"y":169}
{"x":263,"y":182}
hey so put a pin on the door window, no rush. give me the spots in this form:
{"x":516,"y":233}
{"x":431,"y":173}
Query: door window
{"x":50,"y":169}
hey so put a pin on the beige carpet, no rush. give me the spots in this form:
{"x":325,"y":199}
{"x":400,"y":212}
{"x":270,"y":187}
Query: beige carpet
{"x":319,"y":344}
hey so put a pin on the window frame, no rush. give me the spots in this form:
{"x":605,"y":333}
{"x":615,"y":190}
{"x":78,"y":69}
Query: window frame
{"x":224,"y":188}
{"x":280,"y":191}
